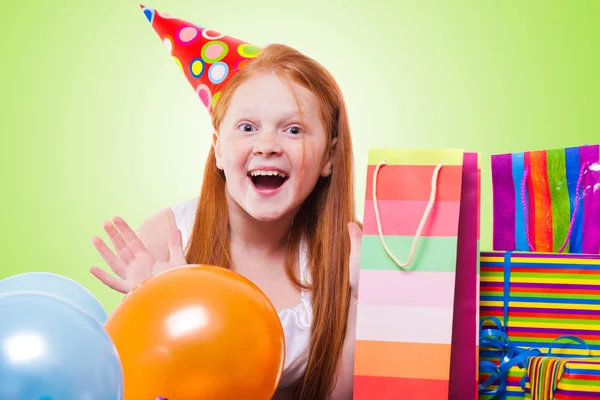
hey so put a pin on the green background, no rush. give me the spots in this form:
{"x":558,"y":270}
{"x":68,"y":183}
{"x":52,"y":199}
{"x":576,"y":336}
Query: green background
{"x":98,"y":121}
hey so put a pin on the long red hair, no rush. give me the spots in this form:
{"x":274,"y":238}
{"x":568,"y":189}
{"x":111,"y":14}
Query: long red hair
{"x":322,"y":218}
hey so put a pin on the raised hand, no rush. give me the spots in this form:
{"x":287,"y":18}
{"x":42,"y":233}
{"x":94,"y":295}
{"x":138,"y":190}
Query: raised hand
{"x":132,"y":262}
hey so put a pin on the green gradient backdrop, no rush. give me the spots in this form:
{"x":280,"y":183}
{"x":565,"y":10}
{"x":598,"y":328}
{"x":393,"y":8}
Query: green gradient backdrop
{"x":98,"y":121}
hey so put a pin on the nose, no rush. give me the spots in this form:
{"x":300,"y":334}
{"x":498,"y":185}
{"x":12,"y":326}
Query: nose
{"x":267,"y":143}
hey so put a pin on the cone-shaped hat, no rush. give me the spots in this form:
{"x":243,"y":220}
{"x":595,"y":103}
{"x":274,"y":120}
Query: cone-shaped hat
{"x":207,"y":58}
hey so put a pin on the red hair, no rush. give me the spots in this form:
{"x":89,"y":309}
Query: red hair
{"x":322,"y":218}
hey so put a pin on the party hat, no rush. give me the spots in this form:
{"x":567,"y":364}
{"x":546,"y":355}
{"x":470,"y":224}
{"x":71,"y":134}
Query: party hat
{"x":207,"y":58}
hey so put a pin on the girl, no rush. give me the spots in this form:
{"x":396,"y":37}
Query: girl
{"x":277,"y":206}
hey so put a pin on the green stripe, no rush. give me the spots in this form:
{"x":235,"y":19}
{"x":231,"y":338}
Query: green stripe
{"x":578,"y":382}
{"x":516,"y":338}
{"x":559,"y":195}
{"x":433,"y":253}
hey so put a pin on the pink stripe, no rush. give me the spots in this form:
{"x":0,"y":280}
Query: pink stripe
{"x":394,"y":288}
{"x":402,"y":218}
{"x":405,"y":324}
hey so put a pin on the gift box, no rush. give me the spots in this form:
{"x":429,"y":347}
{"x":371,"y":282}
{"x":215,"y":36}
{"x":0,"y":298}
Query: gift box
{"x":558,"y":378}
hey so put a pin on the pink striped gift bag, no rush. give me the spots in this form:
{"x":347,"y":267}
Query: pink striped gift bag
{"x":547,"y":200}
{"x":417,"y":328}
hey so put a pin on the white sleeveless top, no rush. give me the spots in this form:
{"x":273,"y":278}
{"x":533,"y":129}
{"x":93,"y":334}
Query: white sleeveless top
{"x":296,"y":321}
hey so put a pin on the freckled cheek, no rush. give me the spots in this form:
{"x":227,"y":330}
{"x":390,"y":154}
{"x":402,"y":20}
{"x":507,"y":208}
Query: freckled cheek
{"x":310,"y":161}
{"x":235,"y":159}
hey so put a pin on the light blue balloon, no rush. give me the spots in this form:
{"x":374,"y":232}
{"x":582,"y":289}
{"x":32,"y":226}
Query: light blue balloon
{"x":56,"y":285}
{"x":51,"y":350}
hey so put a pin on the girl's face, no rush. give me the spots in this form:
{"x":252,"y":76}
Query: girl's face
{"x":271,"y":146}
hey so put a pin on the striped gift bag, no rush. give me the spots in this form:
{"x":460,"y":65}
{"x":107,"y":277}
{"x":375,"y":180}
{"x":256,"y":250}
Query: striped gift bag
{"x":408,"y":343}
{"x":539,"y":297}
{"x":547,"y":200}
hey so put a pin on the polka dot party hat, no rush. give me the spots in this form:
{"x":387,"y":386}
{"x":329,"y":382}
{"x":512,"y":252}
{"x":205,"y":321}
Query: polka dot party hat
{"x":207,"y":58}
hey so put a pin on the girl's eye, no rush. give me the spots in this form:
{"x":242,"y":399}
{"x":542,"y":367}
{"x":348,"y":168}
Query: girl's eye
{"x":295,"y":130}
{"x":246,"y":128}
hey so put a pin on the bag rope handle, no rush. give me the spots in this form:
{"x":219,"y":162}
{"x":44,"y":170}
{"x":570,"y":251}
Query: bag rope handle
{"x":526,"y":216}
{"x":411,"y":255}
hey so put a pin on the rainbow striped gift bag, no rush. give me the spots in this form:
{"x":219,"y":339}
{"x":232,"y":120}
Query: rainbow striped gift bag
{"x":416,"y":329}
{"x":547,"y":200}
{"x":558,"y":378}
{"x":539,"y":297}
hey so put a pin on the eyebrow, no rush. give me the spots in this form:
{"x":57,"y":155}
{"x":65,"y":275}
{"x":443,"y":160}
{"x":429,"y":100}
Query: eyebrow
{"x":288,"y":114}
{"x":294,"y":115}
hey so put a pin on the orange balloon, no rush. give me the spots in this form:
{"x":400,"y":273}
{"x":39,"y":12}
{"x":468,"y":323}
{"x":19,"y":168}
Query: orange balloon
{"x":198,"y":332}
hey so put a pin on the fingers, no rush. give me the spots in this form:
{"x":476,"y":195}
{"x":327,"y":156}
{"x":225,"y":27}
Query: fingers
{"x":134,"y":243}
{"x":177,"y":255}
{"x":355,"y":254}
{"x":118,"y":242}
{"x":355,"y":232}
{"x":110,"y":281}
{"x":115,"y":263}
{"x":355,"y":237}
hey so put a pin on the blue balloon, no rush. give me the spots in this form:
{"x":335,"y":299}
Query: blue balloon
{"x":56,"y":285}
{"x":50,"y":349}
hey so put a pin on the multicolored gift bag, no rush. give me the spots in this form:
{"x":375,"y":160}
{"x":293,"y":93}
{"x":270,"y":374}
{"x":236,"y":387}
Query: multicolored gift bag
{"x":408,"y":271}
{"x":547,"y":200}
{"x":539,"y":297}
{"x":559,"y":378}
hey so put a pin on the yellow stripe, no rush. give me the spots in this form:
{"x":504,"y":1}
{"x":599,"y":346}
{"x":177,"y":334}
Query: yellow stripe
{"x":517,"y":259}
{"x":563,"y":351}
{"x":415,"y":156}
{"x":529,"y":279}
{"x":520,"y":304}
{"x":578,"y":388}
{"x":550,"y":325}
{"x":492,"y":259}
{"x":588,"y":366}
{"x":514,"y":389}
{"x":572,"y":352}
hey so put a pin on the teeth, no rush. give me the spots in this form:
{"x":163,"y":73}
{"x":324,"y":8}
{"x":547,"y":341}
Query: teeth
{"x":267,"y":173}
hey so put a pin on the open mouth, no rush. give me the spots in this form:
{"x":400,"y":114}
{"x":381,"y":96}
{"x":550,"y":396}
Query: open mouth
{"x":267,"y":180}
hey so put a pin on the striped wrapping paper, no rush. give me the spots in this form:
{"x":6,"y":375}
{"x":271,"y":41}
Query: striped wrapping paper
{"x":539,"y":297}
{"x":557,"y":378}
{"x":550,"y":200}
{"x":405,"y":317}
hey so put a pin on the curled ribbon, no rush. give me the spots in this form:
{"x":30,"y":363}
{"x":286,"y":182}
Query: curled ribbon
{"x":496,"y":338}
